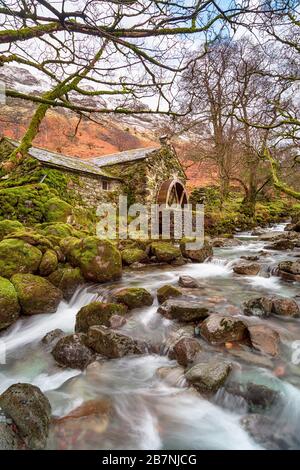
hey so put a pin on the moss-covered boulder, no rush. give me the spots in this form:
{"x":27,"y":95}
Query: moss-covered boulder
{"x":67,"y":279}
{"x":99,"y":260}
{"x":17,"y":256}
{"x":9,"y":305}
{"x":57,"y":210}
{"x":49,"y":263}
{"x":97,"y":313}
{"x":165,"y":252}
{"x":9,"y":226}
{"x":133,"y":255}
{"x":25,"y":203}
{"x":57,"y":229}
{"x":218,"y":329}
{"x":67,"y":244}
{"x":32,"y":237}
{"x":36,"y":295}
{"x":30,"y":411}
{"x":196,"y":254}
{"x":167,"y":292}
{"x":133,"y":297}
{"x":112,"y":343}
{"x":208,"y":377}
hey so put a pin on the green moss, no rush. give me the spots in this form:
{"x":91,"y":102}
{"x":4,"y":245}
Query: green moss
{"x":9,"y":305}
{"x":165,"y":252}
{"x":97,"y":313}
{"x":133,"y":297}
{"x":67,"y":279}
{"x":9,"y":226}
{"x":32,"y":237}
{"x":16,"y":256}
{"x":133,"y":255}
{"x":49,"y":263}
{"x":99,"y":260}
{"x":57,"y":210}
{"x":36,"y":294}
{"x":167,"y":292}
{"x":24,"y":203}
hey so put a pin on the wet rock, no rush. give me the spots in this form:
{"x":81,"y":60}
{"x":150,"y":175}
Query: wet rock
{"x":283,"y":244}
{"x":97,"y":313}
{"x":289,"y":270}
{"x":113,"y":344}
{"x":36,"y":295}
{"x":98,"y":260}
{"x":266,"y":432}
{"x":265,"y":306}
{"x":185,"y":350}
{"x":226,"y":243}
{"x":72,"y":351}
{"x":91,"y":407}
{"x":188,"y":282}
{"x":165,"y":252}
{"x":264,"y":339}
{"x":49,"y":263}
{"x":9,"y":439}
{"x":51,"y":338}
{"x":180,"y":261}
{"x":285,"y":307}
{"x":167,"y":292}
{"x":67,"y":279}
{"x":208,"y":377}
{"x":30,"y":410}
{"x":250,"y":258}
{"x":248,"y":269}
{"x":199,"y":255}
{"x":9,"y":305}
{"x":219,"y":329}
{"x":184,"y":310}
{"x":257,"y":232}
{"x":16,"y":256}
{"x":257,"y":396}
{"x":258,"y":307}
{"x":133,"y":297}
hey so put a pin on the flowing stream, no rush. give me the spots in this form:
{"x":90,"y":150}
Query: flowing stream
{"x":139,"y":405}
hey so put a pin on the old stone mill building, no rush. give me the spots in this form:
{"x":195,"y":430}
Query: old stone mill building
{"x":145,"y":175}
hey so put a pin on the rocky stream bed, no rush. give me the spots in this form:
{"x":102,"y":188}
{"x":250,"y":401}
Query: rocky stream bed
{"x":204,"y":356}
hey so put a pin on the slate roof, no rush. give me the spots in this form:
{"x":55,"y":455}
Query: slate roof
{"x":57,"y":160}
{"x":123,"y":157}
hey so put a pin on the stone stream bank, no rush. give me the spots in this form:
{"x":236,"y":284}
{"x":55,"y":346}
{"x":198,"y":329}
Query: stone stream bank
{"x":172,"y":355}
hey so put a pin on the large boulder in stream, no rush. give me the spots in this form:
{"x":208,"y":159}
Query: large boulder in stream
{"x":72,"y":351}
{"x":257,"y":396}
{"x":165,"y":252}
{"x":9,"y":305}
{"x":112,"y":343}
{"x":186,"y":350}
{"x":184,"y":310}
{"x":133,"y":297}
{"x":67,"y":279}
{"x":289,"y":270}
{"x":30,"y":410}
{"x":264,"y":339}
{"x":17,"y":256}
{"x":266,"y":306}
{"x":36,"y":294}
{"x":218,"y":329}
{"x":208,"y":377}
{"x":167,"y":292}
{"x":247,"y":269}
{"x":188,"y":282}
{"x":281,"y":245}
{"x":99,"y":260}
{"x":97,"y":313}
